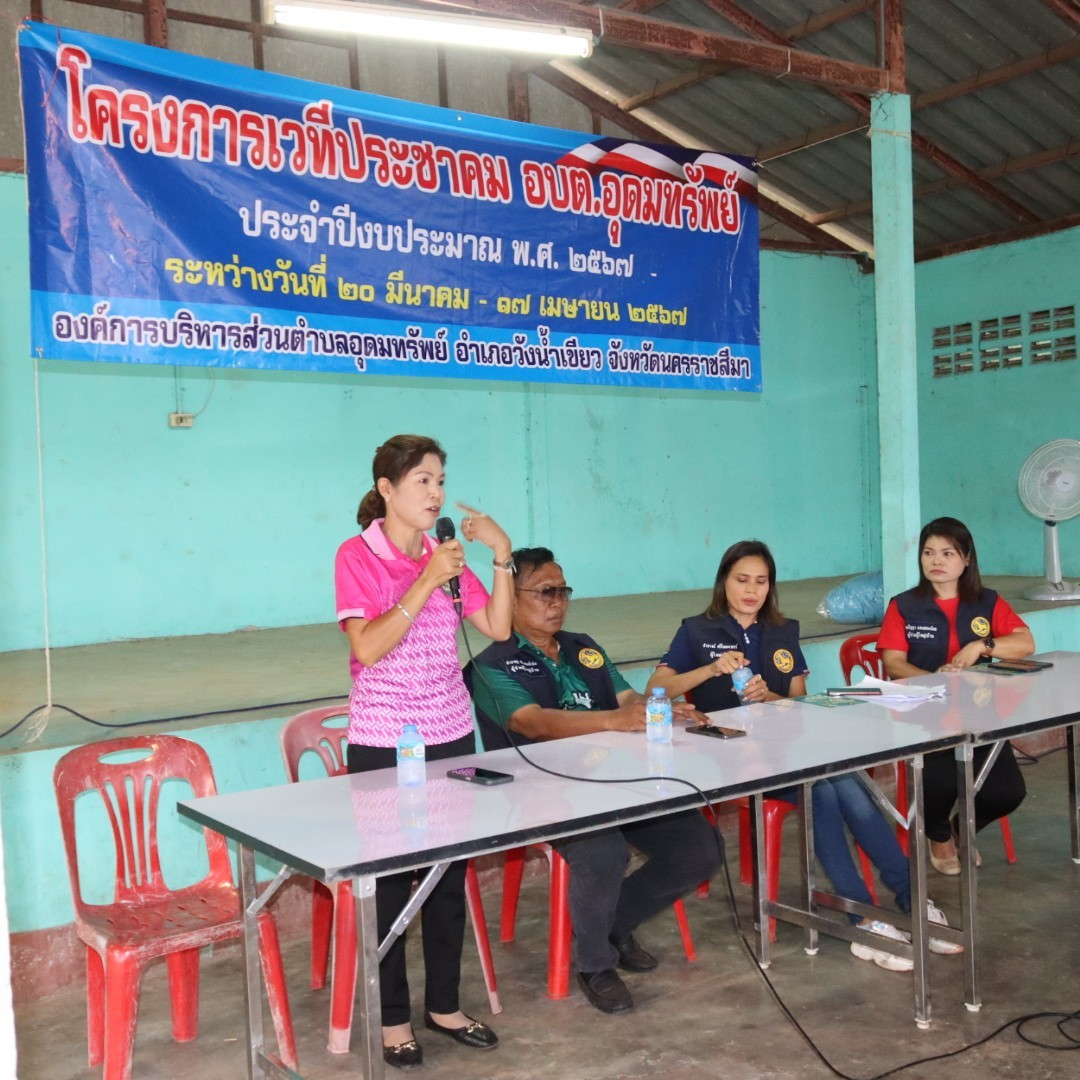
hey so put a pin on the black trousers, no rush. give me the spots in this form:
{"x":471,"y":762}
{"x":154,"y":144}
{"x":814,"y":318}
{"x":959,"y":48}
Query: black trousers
{"x":442,"y":917}
{"x":1002,"y":792}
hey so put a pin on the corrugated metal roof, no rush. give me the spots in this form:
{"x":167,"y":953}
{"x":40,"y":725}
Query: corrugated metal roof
{"x":1021,"y":133}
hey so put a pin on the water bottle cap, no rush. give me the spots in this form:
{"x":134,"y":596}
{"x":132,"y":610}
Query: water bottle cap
{"x":409,"y":727}
{"x":658,"y":691}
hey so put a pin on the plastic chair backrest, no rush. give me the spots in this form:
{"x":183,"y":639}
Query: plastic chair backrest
{"x":131,"y":794}
{"x":861,"y":652}
{"x":309,"y":731}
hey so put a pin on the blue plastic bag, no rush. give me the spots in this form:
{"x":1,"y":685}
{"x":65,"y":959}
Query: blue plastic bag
{"x":858,"y":600}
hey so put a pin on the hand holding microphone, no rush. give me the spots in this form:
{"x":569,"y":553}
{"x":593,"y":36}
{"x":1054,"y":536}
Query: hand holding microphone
{"x":444,"y":531}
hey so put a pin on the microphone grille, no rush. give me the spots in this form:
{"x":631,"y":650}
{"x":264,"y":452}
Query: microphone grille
{"x":444,"y":530}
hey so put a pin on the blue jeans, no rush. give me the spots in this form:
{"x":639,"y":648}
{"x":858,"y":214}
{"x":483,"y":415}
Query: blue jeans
{"x":840,"y":801}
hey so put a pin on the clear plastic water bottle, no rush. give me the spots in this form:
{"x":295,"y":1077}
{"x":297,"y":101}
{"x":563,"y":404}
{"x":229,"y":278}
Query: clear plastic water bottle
{"x":658,"y":716}
{"x":661,"y":758}
{"x":411,"y":770}
{"x":739,"y":678}
{"x":413,"y":813}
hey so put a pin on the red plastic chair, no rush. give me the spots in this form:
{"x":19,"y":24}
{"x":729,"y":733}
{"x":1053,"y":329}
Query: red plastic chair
{"x":315,"y":731}
{"x":861,"y":651}
{"x":561,"y":927}
{"x":147,"y":919}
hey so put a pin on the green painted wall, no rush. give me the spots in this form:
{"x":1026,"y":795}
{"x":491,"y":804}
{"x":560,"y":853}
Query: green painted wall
{"x":157,"y":532}
{"x":246,"y":756}
{"x":977,"y":429}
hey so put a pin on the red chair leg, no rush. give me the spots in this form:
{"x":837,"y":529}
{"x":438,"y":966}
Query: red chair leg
{"x":483,"y":944}
{"x":322,"y":919}
{"x":684,"y":931}
{"x":774,"y":821}
{"x":184,"y":993}
{"x":95,"y":1008}
{"x":343,"y":977}
{"x":1007,"y":840}
{"x":122,"y":973}
{"x":277,"y":994}
{"x":513,"y":868}
{"x":746,"y":844}
{"x":868,"y":874}
{"x":560,"y":930}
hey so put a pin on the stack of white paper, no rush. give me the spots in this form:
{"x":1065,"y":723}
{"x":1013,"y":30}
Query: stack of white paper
{"x":902,"y":696}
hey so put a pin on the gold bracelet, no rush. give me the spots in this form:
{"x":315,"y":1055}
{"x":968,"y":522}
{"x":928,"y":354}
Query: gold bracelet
{"x":404,"y":612}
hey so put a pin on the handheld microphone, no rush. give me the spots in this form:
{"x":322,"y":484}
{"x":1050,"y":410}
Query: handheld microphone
{"x":444,"y":530}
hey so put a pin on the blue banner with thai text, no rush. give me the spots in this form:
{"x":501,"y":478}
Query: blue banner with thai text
{"x":188,"y":211}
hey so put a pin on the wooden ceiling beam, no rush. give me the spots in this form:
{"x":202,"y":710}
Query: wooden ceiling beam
{"x":1024,"y":232}
{"x":1028,"y":65}
{"x":1068,"y":11}
{"x":708,"y":71}
{"x":1070,"y":50}
{"x":920,"y":143}
{"x":1005,"y":168}
{"x":824,"y":19}
{"x":631,"y":31}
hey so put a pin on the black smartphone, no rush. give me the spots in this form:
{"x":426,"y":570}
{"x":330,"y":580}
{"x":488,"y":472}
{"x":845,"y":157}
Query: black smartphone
{"x":715,"y":732}
{"x":472,"y":775}
{"x":854,"y":691}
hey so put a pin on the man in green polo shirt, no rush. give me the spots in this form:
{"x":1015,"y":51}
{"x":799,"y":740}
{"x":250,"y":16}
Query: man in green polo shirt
{"x":547,"y":683}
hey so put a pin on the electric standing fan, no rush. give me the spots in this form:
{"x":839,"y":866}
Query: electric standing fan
{"x":1049,"y":488}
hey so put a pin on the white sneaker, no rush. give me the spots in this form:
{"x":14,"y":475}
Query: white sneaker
{"x":943,"y":948}
{"x":883,"y":959}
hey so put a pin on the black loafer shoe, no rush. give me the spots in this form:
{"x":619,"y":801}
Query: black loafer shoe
{"x":475,"y":1035}
{"x":632,"y":957}
{"x":606,"y":991}
{"x":405,"y":1056}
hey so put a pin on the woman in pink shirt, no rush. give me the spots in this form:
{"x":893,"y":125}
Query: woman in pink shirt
{"x":394,"y":602}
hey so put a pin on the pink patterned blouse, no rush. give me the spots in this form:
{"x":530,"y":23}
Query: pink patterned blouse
{"x":419,"y":681}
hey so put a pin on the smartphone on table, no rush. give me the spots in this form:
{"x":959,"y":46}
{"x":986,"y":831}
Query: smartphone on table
{"x":471,"y":774}
{"x":713,"y":731}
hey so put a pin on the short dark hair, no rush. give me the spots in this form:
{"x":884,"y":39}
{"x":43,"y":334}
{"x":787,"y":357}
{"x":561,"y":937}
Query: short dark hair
{"x":970,"y":587}
{"x":526,"y":560}
{"x":393,"y":460}
{"x":770,"y":609}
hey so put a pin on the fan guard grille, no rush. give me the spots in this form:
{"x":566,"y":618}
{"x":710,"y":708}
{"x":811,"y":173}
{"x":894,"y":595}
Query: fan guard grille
{"x":1049,"y":484}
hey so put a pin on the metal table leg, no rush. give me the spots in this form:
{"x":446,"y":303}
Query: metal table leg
{"x":966,"y":803}
{"x":761,"y":891}
{"x":249,"y":939}
{"x":1074,"y":784}
{"x":806,"y":846}
{"x":917,"y":858}
{"x":367,"y":982}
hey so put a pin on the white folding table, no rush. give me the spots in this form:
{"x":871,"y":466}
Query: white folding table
{"x":361,"y":827}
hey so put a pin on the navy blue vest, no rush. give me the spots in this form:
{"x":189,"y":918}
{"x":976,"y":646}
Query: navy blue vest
{"x":710,"y":638}
{"x":532,"y":674}
{"x":927,"y":628}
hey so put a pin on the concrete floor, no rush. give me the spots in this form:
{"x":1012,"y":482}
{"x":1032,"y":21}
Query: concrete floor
{"x":709,"y":1019}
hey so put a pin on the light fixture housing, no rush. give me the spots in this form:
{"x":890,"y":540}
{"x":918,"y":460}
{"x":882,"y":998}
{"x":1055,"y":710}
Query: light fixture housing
{"x":372,"y":20}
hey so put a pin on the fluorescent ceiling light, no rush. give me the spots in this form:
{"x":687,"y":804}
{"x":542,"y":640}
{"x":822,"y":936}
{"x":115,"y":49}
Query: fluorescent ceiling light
{"x":372,"y":21}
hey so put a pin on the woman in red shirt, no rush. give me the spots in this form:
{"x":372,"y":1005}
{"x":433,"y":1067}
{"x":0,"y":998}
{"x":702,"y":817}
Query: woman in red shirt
{"x":950,"y":622}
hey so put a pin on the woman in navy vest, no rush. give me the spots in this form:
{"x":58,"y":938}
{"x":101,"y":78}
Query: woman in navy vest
{"x":743,"y":627}
{"x":949,"y":622}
